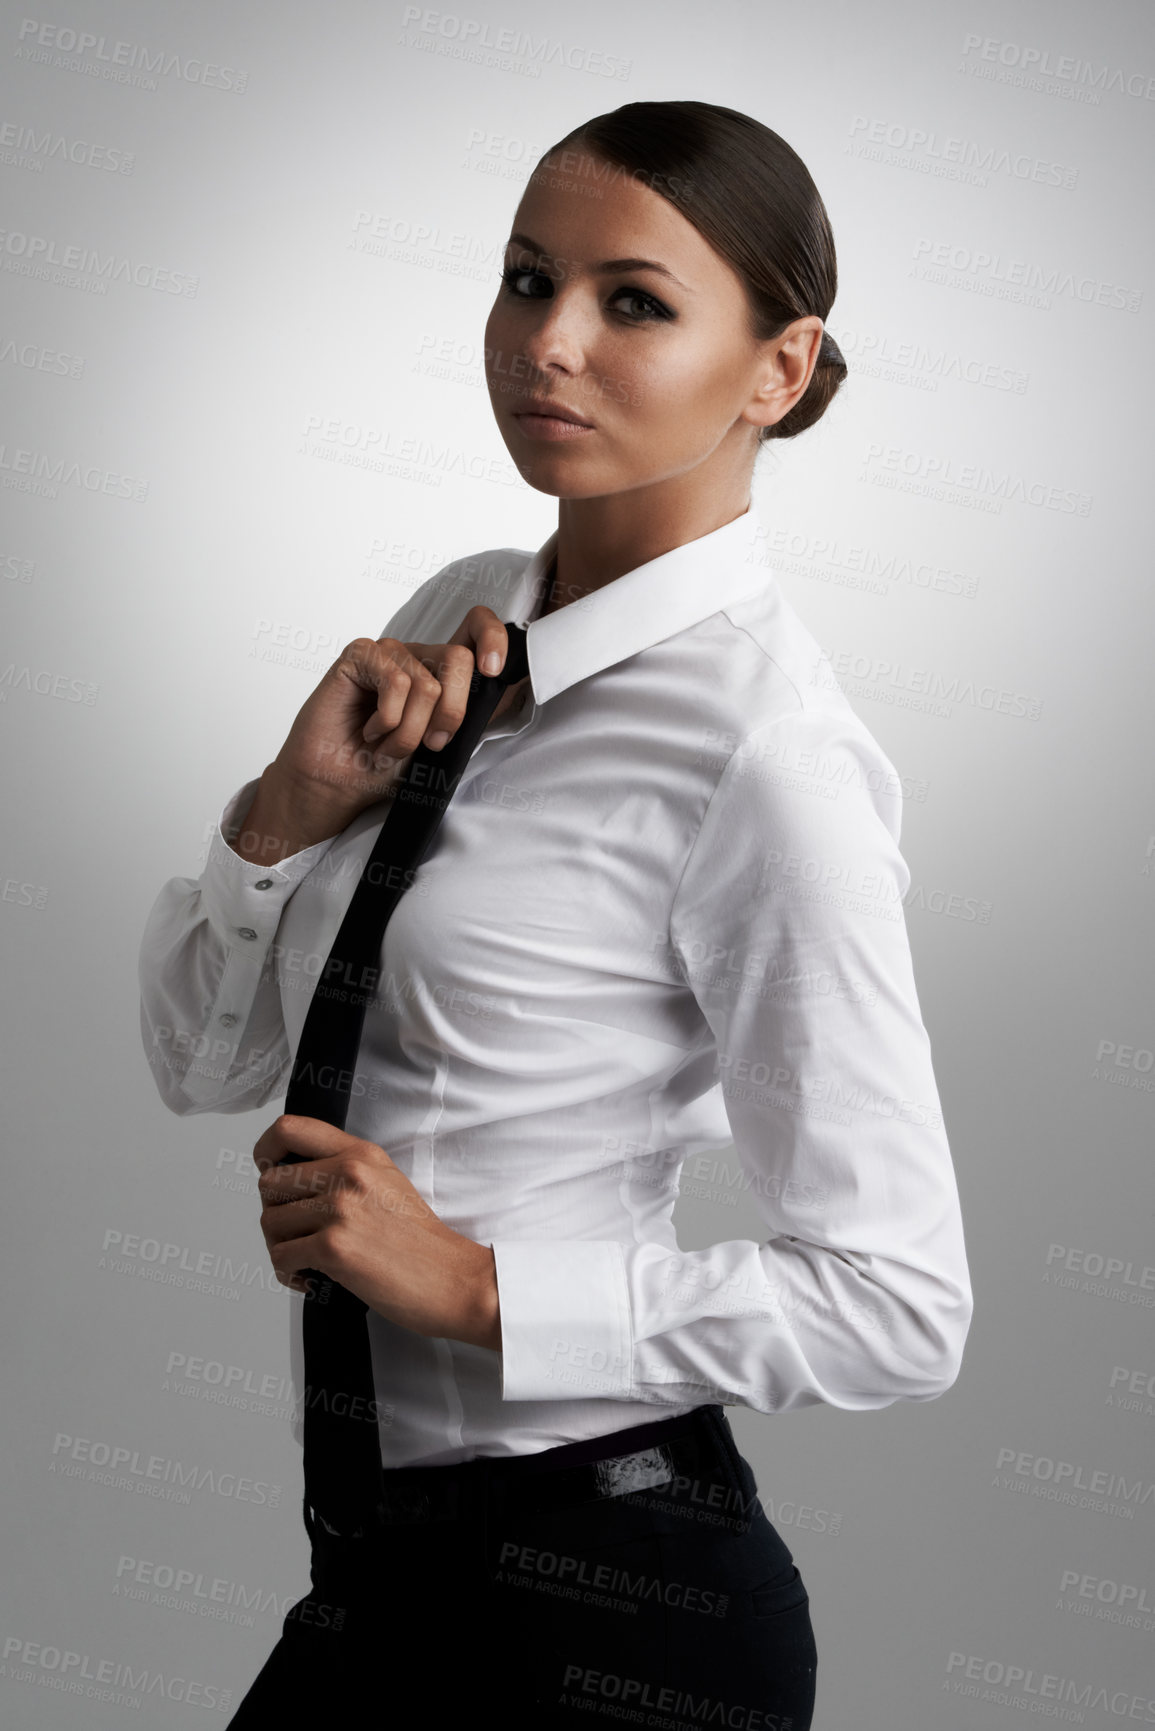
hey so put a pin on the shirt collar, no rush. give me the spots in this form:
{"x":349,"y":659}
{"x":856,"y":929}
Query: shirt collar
{"x":636,"y":610}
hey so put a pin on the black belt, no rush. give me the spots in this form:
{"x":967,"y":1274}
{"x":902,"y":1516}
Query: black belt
{"x":682,"y":1450}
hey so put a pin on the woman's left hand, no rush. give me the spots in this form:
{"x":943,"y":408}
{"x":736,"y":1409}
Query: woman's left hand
{"x":347,"y":1211}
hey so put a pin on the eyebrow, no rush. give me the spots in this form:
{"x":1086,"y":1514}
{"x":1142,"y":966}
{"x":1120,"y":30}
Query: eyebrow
{"x":607,"y":265}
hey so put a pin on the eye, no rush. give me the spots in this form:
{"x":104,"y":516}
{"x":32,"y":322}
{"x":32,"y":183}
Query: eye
{"x":511,"y":274}
{"x":657,"y":310}
{"x":654,"y":308}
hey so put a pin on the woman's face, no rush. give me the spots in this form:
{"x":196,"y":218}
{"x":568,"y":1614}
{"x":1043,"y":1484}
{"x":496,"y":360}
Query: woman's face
{"x":661,"y":366}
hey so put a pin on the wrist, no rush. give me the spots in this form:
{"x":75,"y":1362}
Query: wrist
{"x":280,"y":822}
{"x":482,"y":1326}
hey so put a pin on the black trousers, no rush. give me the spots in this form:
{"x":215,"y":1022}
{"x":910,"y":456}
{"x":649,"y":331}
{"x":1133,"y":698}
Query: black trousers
{"x":677,"y":1605}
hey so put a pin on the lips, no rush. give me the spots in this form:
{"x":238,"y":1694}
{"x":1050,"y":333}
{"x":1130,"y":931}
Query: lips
{"x":554,"y":410}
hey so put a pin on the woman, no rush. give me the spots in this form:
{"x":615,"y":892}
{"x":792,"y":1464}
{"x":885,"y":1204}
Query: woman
{"x":663,"y":911}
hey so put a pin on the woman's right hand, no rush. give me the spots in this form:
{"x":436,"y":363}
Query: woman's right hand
{"x":354,"y":735}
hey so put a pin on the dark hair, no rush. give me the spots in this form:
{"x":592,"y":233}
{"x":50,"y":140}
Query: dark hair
{"x":752,"y":198}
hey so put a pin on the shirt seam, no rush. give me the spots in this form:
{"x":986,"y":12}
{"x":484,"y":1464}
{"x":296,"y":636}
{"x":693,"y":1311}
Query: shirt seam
{"x":776,"y":721}
{"x":761,"y":647}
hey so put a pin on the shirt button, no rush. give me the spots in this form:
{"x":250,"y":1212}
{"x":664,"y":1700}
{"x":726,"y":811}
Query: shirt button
{"x":228,"y":1020}
{"x":246,"y":931}
{"x":264,"y":884}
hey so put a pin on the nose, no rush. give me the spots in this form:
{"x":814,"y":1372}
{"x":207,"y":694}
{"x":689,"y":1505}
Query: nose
{"x":554,"y":339}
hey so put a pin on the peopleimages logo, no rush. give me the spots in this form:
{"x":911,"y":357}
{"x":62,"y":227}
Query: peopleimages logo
{"x":37,"y":358}
{"x":33,"y":254}
{"x":25,"y":147}
{"x":597,"y":1583}
{"x":183,"y":1589}
{"x":506,"y":47}
{"x":182,"y":1265}
{"x":123,"y":62}
{"x":930,"y":152}
{"x":1012,"y":1685}
{"x":153,"y":1475}
{"x":1071,"y":1482}
{"x":30,"y":471}
{"x":1120,"y":1593}
{"x":1032,"y":65}
{"x":46,"y":684}
{"x":998,"y":486}
{"x":904,"y":359}
{"x":113,"y":1680}
{"x":990,"y":273}
{"x":877,"y":676}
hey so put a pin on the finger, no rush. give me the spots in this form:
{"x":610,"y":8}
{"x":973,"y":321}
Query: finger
{"x":455,"y":672}
{"x":291,"y":1181}
{"x":333,"y":1165}
{"x":296,"y":1219}
{"x":483,"y":632}
{"x":293,"y":1258}
{"x":293,"y":1133}
{"x":406,"y":690}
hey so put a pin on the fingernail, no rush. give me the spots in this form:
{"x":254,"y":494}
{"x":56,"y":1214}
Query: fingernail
{"x":491,"y":663}
{"x":436,"y":741}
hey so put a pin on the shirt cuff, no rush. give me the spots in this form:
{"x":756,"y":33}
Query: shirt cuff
{"x":243,"y":903}
{"x":565,"y":1320}
{"x":239,"y":895}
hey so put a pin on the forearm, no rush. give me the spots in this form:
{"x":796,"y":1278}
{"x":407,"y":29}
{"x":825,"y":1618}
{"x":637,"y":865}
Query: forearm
{"x":481,"y":1312}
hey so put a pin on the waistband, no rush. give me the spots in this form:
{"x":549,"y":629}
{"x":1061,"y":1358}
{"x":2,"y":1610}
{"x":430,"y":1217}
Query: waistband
{"x":642,"y":1457}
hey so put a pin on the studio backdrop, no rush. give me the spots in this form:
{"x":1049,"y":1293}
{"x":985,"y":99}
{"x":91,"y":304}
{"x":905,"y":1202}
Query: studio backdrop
{"x":247,"y":253}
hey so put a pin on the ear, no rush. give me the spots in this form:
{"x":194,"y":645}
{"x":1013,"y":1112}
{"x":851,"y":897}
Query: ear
{"x":785,"y":368}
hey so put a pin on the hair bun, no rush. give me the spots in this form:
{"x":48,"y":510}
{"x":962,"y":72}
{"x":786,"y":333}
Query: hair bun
{"x":829,"y":353}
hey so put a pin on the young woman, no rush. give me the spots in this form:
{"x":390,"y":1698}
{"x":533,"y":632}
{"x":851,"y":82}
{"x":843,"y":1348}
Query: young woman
{"x":663,"y":912}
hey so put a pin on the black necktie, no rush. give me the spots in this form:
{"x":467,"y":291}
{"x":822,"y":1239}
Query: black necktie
{"x":342,"y":1451}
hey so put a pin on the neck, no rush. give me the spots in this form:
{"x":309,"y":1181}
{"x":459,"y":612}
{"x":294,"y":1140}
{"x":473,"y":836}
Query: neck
{"x":552,"y":601}
{"x":600,"y":540}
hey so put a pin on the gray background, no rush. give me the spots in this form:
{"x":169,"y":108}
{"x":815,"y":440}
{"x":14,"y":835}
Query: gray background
{"x":310,"y":435}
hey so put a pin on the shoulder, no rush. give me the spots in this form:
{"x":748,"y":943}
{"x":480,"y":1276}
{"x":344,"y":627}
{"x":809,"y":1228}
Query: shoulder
{"x":788,"y":672}
{"x":784,"y":727}
{"x":802,"y":830}
{"x":435,"y":609}
{"x":805,"y":809}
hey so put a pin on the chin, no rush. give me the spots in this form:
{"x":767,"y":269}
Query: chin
{"x":546,"y":476}
{"x":556,"y":488}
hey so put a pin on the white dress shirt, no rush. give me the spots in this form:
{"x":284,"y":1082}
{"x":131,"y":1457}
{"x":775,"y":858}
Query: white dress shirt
{"x":662,"y":914}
